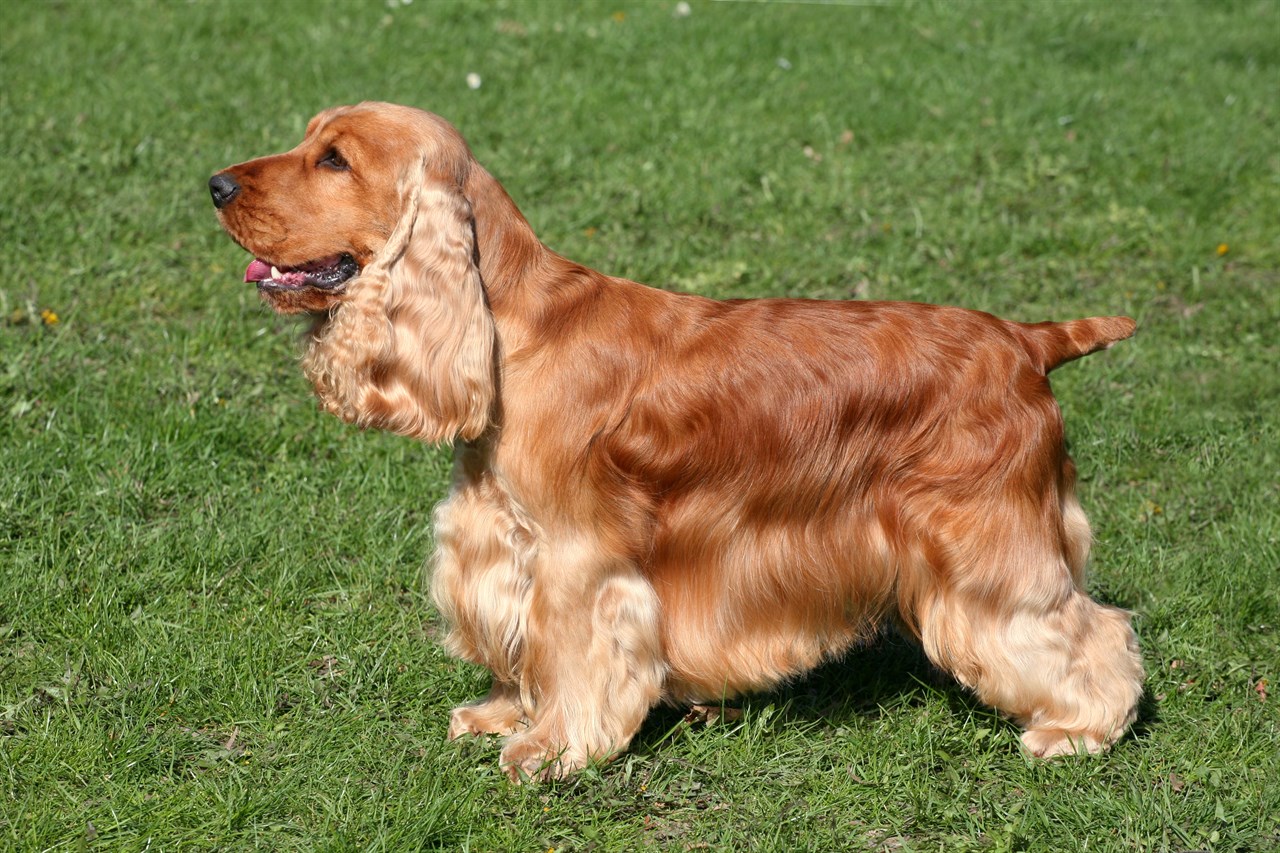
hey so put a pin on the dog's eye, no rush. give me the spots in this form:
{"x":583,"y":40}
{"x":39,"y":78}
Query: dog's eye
{"x":333,"y":160}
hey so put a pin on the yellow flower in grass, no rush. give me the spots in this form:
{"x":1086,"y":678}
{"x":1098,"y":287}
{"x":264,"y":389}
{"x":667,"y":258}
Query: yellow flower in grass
{"x":1223,"y":248}
{"x":50,"y":318}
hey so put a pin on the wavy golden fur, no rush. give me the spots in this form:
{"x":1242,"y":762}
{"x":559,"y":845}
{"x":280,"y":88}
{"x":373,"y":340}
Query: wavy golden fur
{"x":661,"y":497}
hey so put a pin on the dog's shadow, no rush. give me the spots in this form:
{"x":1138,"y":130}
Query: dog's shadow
{"x":889,"y":673}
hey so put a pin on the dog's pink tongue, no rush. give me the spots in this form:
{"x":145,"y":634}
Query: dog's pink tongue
{"x":258,"y":271}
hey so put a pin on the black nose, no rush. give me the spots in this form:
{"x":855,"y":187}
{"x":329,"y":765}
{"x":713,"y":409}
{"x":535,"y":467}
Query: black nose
{"x":224,"y":189}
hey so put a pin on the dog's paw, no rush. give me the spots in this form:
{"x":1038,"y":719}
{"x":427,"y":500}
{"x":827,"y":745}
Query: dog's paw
{"x":1052,"y":743}
{"x":530,"y":759}
{"x":484,"y":718}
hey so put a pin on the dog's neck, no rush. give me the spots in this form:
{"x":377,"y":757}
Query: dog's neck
{"x":514,"y":263}
{"x":507,"y":247}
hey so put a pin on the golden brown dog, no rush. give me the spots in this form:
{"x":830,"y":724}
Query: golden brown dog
{"x":661,"y":497}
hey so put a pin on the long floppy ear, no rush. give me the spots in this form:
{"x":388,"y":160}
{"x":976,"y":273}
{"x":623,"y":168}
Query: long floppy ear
{"x":412,"y":348}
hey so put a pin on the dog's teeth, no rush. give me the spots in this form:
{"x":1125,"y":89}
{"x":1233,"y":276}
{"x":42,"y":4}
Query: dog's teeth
{"x":275,"y":272}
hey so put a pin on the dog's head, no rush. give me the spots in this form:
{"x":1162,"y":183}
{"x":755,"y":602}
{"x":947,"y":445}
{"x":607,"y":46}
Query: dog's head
{"x":315,"y":216}
{"x":367,"y":225}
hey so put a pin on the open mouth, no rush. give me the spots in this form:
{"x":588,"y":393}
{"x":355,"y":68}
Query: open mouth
{"x":326,"y":274}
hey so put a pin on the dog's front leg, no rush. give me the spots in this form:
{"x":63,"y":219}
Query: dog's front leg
{"x":480,"y":583}
{"x":592,"y":665}
{"x":498,"y":713}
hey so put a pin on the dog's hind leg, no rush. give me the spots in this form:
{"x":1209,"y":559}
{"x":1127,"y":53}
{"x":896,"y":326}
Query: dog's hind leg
{"x":1094,"y":686}
{"x":1010,"y":621}
{"x":1071,"y":675}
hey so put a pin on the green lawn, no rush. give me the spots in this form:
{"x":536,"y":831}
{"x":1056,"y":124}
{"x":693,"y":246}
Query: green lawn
{"x":214,"y":632}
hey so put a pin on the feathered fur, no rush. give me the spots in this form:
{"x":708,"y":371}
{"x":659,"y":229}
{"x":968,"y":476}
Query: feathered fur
{"x":661,"y":497}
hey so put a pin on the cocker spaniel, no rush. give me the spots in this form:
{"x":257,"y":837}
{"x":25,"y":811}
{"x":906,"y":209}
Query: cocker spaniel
{"x":659,"y":497}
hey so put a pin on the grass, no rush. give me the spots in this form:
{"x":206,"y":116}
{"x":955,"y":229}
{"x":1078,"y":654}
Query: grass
{"x":213,"y":628}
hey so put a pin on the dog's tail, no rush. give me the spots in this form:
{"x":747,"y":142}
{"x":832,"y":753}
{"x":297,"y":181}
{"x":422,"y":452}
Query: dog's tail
{"x":1054,"y":344}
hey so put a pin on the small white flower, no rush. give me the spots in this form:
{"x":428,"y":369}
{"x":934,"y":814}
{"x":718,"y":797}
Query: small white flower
{"x":784,"y":63}
{"x":682,"y":10}
{"x":473,"y":80}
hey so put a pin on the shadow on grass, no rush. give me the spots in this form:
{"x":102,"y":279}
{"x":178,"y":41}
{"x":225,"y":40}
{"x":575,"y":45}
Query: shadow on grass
{"x":892,"y":672}
{"x":889,"y":672}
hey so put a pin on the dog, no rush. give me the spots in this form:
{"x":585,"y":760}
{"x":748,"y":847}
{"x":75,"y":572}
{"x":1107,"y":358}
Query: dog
{"x":659,"y":497}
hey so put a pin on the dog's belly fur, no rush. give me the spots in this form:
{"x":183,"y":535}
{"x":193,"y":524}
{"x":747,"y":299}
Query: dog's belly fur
{"x":745,"y":608}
